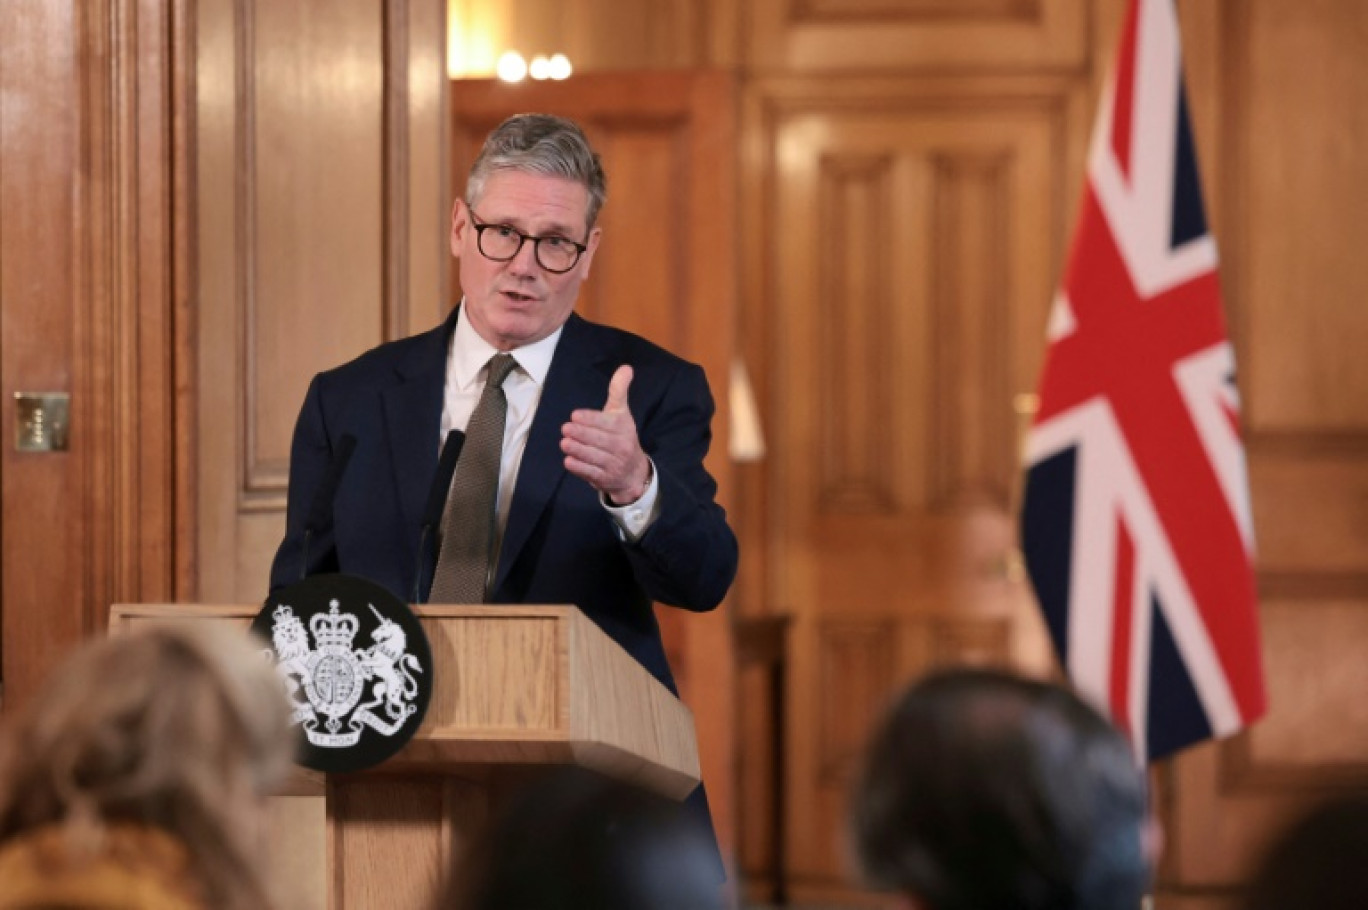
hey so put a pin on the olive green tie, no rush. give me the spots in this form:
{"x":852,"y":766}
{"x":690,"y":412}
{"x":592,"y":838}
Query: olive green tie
{"x":464,"y":561}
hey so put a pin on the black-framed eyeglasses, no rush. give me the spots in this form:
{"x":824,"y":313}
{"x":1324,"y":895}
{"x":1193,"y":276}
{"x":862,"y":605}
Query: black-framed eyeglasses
{"x":501,"y":243}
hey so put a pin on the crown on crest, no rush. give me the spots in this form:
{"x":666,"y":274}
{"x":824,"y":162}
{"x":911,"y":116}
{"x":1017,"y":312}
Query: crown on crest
{"x":283,"y":613}
{"x":335,"y":628}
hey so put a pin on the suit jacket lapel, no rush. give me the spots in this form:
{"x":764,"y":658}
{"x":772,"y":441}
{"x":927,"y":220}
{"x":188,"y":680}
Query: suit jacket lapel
{"x":572,"y":382}
{"x":413,"y":418}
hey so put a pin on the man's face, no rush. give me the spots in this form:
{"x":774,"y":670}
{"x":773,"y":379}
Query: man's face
{"x":518,"y":302}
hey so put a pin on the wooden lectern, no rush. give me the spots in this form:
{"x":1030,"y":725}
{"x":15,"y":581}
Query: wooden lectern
{"x":514,"y":688}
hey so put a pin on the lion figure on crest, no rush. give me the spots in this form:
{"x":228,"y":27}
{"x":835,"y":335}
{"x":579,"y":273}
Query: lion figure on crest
{"x":291,"y":646}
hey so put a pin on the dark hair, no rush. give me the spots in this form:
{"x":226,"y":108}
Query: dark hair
{"x":1320,"y":861}
{"x":576,"y":839}
{"x":984,"y":789}
{"x":540,"y":144}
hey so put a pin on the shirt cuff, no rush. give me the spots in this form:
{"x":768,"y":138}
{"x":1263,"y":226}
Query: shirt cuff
{"x":633,"y":519}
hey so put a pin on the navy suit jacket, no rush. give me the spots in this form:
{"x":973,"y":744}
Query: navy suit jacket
{"x":559,"y":545}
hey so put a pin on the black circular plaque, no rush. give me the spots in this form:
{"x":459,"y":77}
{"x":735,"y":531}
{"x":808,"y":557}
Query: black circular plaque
{"x":357,"y":666}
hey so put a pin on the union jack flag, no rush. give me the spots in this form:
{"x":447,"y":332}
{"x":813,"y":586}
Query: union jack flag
{"x":1136,"y":523}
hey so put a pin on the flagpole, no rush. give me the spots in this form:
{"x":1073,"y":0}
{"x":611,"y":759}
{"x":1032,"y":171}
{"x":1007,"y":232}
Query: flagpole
{"x":1024,"y":407}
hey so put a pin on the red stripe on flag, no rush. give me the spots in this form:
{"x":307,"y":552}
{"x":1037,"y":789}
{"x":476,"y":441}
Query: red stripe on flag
{"x":1122,"y":612}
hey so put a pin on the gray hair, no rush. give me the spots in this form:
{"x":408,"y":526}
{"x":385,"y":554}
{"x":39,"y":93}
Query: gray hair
{"x":540,"y":144}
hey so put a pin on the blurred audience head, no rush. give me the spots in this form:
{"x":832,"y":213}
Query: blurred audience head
{"x":983,"y":789}
{"x":575,"y":839}
{"x":1320,"y":861}
{"x":179,"y":729}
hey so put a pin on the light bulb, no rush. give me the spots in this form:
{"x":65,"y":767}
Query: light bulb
{"x":558,"y":67}
{"x":512,"y":67}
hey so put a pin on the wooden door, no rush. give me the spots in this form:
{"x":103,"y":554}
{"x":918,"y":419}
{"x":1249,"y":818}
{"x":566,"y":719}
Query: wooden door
{"x":42,"y":554}
{"x":907,"y":236}
{"x":93,"y":264}
{"x":666,"y":269}
{"x":319,"y":203}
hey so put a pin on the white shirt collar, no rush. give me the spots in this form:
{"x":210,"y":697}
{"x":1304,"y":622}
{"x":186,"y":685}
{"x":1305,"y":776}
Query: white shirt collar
{"x":469,"y":353}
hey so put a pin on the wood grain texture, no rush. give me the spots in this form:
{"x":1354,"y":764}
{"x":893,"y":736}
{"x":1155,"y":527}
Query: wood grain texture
{"x":520,"y":685}
{"x":512,"y":686}
{"x":1280,"y":73}
{"x":1317,"y":734}
{"x":93,"y":124}
{"x":310,"y":146}
{"x":45,"y":530}
{"x":621,"y":721}
{"x":295,"y":830}
{"x":808,"y":35}
{"x":1310,"y":503}
{"x":1303,"y":93}
{"x":387,"y":842}
{"x":905,"y":229}
{"x":597,"y":35}
{"x":322,"y":206}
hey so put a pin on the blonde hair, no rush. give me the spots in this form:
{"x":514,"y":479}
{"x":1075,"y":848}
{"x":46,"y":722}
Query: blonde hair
{"x":177,"y":727}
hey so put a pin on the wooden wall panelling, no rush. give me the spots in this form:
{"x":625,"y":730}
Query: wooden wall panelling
{"x":597,"y":35}
{"x":755,"y":803}
{"x":856,"y":667}
{"x":44,"y":531}
{"x":418,"y":189}
{"x":184,"y":253}
{"x":132,"y":263}
{"x":1226,"y":800}
{"x":797,"y":36}
{"x":322,"y":221}
{"x":1324,"y":741}
{"x":1309,"y":512}
{"x":909,"y":231}
{"x":1282,"y":73}
{"x":1303,"y":93}
{"x":310,"y":211}
{"x":92,"y":184}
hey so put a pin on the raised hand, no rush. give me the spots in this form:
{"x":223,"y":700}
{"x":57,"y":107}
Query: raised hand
{"x":601,"y":447}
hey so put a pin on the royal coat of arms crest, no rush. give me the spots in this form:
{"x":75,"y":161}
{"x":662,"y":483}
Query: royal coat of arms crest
{"x":337,"y":689}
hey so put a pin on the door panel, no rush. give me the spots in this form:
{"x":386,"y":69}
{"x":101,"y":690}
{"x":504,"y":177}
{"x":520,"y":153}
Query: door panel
{"x":907,"y":248}
{"x":321,"y":224}
{"x":93,"y":265}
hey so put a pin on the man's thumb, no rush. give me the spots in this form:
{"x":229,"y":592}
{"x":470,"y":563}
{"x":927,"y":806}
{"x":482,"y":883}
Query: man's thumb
{"x":617,"y":389}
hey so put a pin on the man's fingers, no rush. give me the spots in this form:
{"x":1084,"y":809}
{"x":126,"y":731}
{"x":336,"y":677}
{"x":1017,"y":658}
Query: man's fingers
{"x":617,"y":390}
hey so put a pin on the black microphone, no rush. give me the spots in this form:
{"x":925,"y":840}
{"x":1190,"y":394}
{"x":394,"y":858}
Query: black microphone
{"x":436,"y":501}
{"x":321,"y":509}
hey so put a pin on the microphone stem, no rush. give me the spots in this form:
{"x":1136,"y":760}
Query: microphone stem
{"x":418,"y":571}
{"x":304,"y":563}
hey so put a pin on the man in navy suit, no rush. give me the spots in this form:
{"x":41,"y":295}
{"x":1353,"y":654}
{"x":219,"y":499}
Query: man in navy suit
{"x":603,"y":500}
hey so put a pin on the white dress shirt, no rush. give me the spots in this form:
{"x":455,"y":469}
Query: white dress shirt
{"x":467,"y":367}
